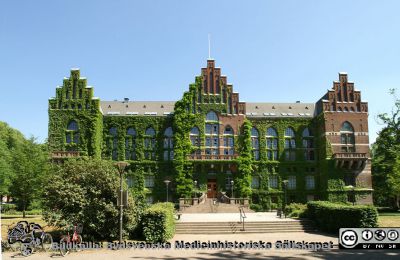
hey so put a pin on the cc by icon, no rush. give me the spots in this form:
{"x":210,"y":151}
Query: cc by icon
{"x":348,"y":238}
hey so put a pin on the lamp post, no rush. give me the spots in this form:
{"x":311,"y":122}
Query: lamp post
{"x":121,"y":168}
{"x":285,"y":184}
{"x":232,"y":188}
{"x":194,"y":191}
{"x":166,"y":183}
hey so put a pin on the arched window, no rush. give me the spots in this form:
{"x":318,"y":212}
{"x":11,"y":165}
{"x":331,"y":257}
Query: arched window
{"x":290,"y":144}
{"x":346,"y":109}
{"x":211,"y":116}
{"x":228,"y":141}
{"x":272,"y":144}
{"x":168,"y":144}
{"x":308,"y":144}
{"x":347,"y":138}
{"x":212,"y":134}
{"x":195,"y":140}
{"x":130,"y":144}
{"x":113,"y":143}
{"x":149,"y":144}
{"x":255,"y":143}
{"x":72,"y":133}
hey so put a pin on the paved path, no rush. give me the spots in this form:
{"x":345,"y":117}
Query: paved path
{"x":230,"y":217}
{"x":269,"y":254}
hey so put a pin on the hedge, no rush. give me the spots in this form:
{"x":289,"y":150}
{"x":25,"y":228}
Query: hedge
{"x":330,"y":216}
{"x":296,"y":210}
{"x":158,"y":222}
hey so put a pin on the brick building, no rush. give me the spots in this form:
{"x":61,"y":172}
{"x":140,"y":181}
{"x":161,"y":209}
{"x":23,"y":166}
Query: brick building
{"x":313,"y":150}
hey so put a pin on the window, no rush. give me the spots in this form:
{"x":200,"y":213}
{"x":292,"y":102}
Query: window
{"x":211,"y":116}
{"x":168,"y":144}
{"x":255,"y":143}
{"x":228,"y":141}
{"x":72,"y":133}
{"x":310,"y":182}
{"x":212,"y":134}
{"x":195,"y":140}
{"x":290,"y":144}
{"x":291,"y":182}
{"x":130,"y":144}
{"x":347,"y":137}
{"x":113,"y":143}
{"x":228,"y":183}
{"x":130,"y":181}
{"x":255,"y":182}
{"x":308,"y":145}
{"x":149,"y":181}
{"x":272,"y":144}
{"x":149,"y":144}
{"x":273,"y":181}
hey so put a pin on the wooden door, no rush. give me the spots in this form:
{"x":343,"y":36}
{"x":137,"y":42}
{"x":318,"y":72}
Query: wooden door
{"x":211,"y":188}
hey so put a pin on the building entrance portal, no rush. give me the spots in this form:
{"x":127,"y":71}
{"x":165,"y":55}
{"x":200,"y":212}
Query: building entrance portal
{"x":211,"y":188}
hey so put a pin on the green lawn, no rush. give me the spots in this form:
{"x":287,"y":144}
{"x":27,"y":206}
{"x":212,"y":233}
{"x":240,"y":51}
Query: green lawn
{"x":389,"y":219}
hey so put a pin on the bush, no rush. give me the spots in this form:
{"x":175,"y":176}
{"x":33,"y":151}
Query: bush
{"x":330,"y":216}
{"x":158,"y":222}
{"x":256,"y":207}
{"x":85,"y":191}
{"x":6,"y":208}
{"x":296,"y":210}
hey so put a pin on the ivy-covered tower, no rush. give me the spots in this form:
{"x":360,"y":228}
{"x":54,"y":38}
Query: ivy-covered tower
{"x":75,"y":119}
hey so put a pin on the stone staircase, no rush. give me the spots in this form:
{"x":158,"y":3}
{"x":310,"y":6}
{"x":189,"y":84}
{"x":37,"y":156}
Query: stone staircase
{"x":208,"y":206}
{"x":249,"y":227}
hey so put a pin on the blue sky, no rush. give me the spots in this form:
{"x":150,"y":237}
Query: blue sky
{"x":279,"y":51}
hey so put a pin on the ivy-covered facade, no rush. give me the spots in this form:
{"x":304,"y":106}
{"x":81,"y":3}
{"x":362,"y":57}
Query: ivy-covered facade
{"x":210,"y":141}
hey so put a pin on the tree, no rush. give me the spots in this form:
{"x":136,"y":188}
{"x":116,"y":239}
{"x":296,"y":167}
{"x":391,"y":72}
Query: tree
{"x":386,"y":158}
{"x":30,"y":163}
{"x":85,"y":191}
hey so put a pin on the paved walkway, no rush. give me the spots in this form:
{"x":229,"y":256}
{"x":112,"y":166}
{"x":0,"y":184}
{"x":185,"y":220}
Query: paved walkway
{"x":230,"y":217}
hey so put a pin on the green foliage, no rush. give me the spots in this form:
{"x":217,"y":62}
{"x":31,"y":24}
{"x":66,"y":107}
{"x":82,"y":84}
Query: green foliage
{"x":336,"y":191}
{"x":330,"y":216}
{"x":245,"y":169}
{"x":386,"y":158}
{"x":296,"y":210}
{"x":6,"y":208}
{"x":158,"y":222}
{"x":85,"y":191}
{"x":183,"y":122}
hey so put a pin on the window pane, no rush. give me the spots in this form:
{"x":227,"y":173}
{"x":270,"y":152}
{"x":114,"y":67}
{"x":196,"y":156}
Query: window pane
{"x":211,"y":116}
{"x":255,"y":182}
{"x":292,"y":182}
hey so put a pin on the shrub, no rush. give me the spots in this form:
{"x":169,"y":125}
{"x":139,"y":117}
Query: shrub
{"x":296,"y":210}
{"x":8,"y":208}
{"x":330,"y":216}
{"x":85,"y":191}
{"x":158,"y":222}
{"x":256,"y":207}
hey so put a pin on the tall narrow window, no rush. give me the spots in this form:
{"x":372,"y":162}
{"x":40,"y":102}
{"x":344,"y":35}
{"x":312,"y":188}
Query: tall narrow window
{"x":291,"y":182}
{"x":255,"y":143}
{"x":130,"y":144}
{"x":273,"y":181}
{"x":272,"y":144}
{"x":290,"y":144}
{"x":310,"y":182}
{"x":113,"y":143}
{"x":72,"y":133}
{"x":195,"y":140}
{"x":168,"y":144}
{"x":308,"y":145}
{"x":149,"y":144}
{"x":228,"y":141}
{"x":347,"y":138}
{"x":212,"y":134}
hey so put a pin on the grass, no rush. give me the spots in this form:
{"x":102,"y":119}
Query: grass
{"x":8,"y":221}
{"x":389,"y":219}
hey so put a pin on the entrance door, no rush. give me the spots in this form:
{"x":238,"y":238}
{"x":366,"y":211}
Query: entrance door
{"x":212,"y":188}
